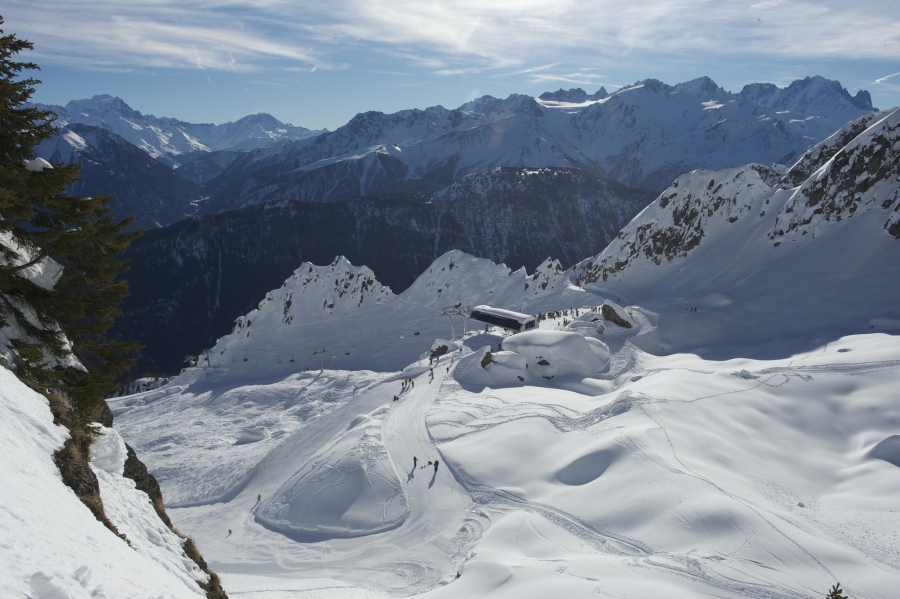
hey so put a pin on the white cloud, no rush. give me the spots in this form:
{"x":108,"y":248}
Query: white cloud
{"x":578,"y":78}
{"x":447,"y":37}
{"x":525,"y":71}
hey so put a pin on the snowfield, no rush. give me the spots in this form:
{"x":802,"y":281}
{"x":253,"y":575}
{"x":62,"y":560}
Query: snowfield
{"x":736,"y":478}
{"x":707,"y":408}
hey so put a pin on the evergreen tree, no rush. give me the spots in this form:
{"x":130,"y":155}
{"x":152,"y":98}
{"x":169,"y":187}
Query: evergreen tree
{"x":38,"y":220}
{"x":836,"y":592}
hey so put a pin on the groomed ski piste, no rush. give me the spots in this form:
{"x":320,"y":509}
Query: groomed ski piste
{"x":708,"y":409}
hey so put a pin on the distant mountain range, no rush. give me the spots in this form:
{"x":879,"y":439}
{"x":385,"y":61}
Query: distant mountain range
{"x":171,"y":141}
{"x":642,"y":136}
{"x":514,"y":180}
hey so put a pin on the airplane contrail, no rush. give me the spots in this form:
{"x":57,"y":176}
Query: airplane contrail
{"x":883,"y":79}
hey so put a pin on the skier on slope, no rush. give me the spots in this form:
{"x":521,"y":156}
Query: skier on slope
{"x":415,"y":461}
{"x":435,"y":466}
{"x":229,"y":533}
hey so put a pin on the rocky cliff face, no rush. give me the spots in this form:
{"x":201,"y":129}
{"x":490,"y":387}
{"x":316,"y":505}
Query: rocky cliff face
{"x":676,"y":223}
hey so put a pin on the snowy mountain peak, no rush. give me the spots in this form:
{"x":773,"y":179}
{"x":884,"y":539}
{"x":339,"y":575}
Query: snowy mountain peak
{"x":548,"y":277}
{"x":513,"y":104}
{"x":102,"y":104}
{"x":702,"y":86}
{"x":314,"y":291}
{"x":575,"y":95}
{"x":459,"y":278}
{"x":811,"y":95}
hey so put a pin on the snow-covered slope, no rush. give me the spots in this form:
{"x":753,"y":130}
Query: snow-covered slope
{"x":169,"y":140}
{"x":642,"y":136}
{"x":52,"y":546}
{"x":665,"y":476}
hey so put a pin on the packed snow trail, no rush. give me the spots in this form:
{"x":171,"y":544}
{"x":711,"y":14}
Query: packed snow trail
{"x":424,"y":551}
{"x":443,"y":524}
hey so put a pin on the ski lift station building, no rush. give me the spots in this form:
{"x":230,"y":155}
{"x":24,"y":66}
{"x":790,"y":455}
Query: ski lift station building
{"x":514,"y":321}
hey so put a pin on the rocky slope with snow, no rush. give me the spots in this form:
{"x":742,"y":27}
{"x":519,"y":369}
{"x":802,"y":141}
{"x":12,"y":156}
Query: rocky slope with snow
{"x":53,"y":545}
{"x":738,"y":242}
{"x":172,"y":141}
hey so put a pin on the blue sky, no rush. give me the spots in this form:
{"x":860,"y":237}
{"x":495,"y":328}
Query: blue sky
{"x":317,"y":64}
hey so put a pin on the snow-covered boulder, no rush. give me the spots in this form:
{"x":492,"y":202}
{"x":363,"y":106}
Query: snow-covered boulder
{"x":616,"y":314}
{"x":442,"y":347}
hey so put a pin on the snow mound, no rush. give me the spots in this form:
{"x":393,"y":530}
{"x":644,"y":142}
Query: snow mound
{"x":252,"y":434}
{"x":349,"y":488}
{"x":586,"y":469}
{"x":494,"y":370}
{"x":888,"y":450}
{"x":108,"y":451}
{"x":442,"y":347}
{"x":549,"y":354}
